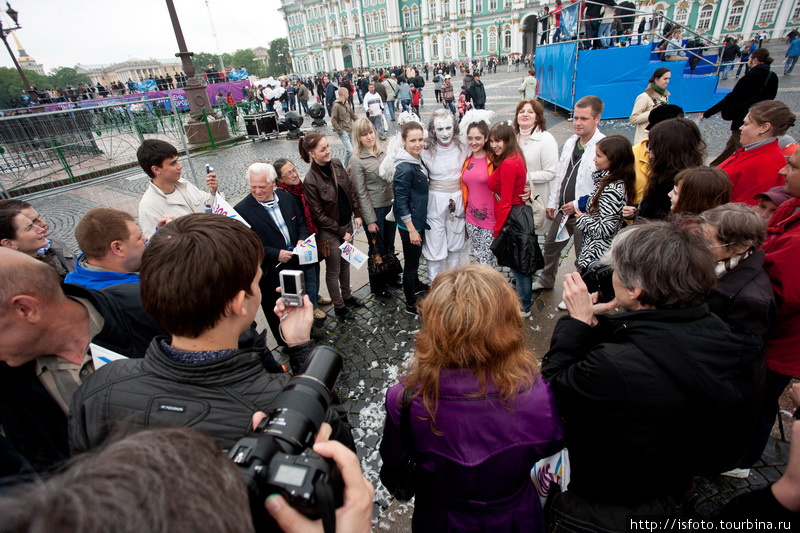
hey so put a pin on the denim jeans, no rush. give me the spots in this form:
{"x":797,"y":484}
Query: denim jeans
{"x":347,"y":142}
{"x":789,"y":64}
{"x":605,"y":33}
{"x":524,"y":290}
{"x":390,"y":107}
{"x":406,"y":105}
{"x":449,"y":104}
{"x":303,"y":105}
{"x":727,"y":67}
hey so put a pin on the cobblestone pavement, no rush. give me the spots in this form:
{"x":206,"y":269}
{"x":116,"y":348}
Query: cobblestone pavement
{"x":380,"y":341}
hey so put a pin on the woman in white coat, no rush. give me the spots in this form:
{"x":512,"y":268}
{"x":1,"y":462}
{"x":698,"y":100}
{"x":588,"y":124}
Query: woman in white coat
{"x":538,"y":146}
{"x":655,"y":95}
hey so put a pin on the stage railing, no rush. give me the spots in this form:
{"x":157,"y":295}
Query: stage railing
{"x":654,"y":35}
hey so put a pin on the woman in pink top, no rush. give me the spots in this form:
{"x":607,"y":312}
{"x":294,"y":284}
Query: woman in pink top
{"x":507,"y":182}
{"x":479,"y":199}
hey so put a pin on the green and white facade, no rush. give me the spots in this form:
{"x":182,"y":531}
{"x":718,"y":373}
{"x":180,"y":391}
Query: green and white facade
{"x":339,"y":34}
{"x":719,"y":18}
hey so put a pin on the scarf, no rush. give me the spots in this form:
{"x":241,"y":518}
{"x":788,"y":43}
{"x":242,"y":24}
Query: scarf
{"x":298,"y":192}
{"x":525,"y":134}
{"x":726,"y":265}
{"x":656,"y":89}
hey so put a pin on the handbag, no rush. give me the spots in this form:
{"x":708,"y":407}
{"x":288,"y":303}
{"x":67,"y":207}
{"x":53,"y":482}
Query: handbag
{"x":323,"y":248}
{"x":402,"y":484}
{"x":382,"y":265}
{"x":538,"y":212}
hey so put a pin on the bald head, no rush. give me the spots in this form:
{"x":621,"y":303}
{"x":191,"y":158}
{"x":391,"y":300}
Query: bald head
{"x":27,"y":288}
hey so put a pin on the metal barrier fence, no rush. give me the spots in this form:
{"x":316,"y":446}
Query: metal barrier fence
{"x":40,"y":151}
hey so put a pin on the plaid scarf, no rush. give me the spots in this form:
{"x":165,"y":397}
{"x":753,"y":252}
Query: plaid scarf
{"x":298,"y":192}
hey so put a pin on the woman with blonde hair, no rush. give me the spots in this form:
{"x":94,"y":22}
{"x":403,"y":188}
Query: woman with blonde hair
{"x":472,"y":411}
{"x":375,"y":196}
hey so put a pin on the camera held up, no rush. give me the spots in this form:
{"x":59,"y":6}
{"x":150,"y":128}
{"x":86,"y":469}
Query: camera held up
{"x":598,"y":278}
{"x":278,"y":458}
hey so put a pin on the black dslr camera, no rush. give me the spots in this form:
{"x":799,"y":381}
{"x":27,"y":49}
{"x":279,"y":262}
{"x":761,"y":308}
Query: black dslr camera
{"x":597,"y":278}
{"x":278,"y":458}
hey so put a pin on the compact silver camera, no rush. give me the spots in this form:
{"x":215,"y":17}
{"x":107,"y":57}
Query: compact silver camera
{"x":293,"y":287}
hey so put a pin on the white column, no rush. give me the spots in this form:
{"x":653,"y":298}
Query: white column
{"x":516,"y":35}
{"x":426,"y":47}
{"x":783,"y":18}
{"x":469,"y":42}
{"x":306,"y":26}
{"x":722,"y":14}
{"x":454,"y":51}
{"x":338,"y":57}
{"x":425,"y":13}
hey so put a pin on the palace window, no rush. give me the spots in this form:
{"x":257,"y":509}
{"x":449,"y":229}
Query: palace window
{"x":735,"y":14}
{"x":478,"y":43}
{"x":435,"y":47}
{"x":415,"y":17}
{"x":507,"y":39}
{"x":493,"y":40}
{"x":406,"y":18}
{"x":706,"y":14}
{"x":768,"y":10}
{"x":682,"y":15}
{"x":447,"y":48}
{"x":462,"y":45}
{"x":477,"y":6}
{"x":371,"y":55}
{"x":492,"y":5}
{"x":462,"y":7}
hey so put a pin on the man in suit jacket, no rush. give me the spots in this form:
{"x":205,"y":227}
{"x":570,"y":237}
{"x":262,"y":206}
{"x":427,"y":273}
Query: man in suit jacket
{"x":274,"y":216}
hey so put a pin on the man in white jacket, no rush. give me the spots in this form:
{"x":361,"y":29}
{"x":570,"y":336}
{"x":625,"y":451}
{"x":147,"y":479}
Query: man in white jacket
{"x":168,"y":193}
{"x":573,"y":180}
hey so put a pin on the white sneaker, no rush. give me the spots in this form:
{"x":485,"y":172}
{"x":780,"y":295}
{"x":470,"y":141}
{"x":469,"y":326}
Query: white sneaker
{"x":741,"y":473}
{"x":524,"y":314}
{"x":562,"y":306}
{"x":537,"y":286}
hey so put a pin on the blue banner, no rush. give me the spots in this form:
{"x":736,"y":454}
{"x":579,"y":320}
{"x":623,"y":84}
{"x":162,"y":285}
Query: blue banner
{"x":238,"y":75}
{"x":145,"y":86}
{"x":555,"y":67}
{"x":569,"y":21}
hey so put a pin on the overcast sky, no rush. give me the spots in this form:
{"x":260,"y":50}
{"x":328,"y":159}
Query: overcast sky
{"x":66,"y":32}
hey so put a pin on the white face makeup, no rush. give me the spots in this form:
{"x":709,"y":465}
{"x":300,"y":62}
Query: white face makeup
{"x":444,"y":130}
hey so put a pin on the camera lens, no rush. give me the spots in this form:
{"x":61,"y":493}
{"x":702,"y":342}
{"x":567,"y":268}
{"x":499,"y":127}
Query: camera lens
{"x":299,"y":410}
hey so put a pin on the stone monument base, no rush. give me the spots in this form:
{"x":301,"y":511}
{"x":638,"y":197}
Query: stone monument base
{"x":197,"y":132}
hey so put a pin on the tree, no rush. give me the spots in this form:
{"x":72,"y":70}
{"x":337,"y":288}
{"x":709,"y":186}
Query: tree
{"x":201,"y":61}
{"x":245,"y":58}
{"x":11,"y":88}
{"x":67,"y":77}
{"x":280,"y":61}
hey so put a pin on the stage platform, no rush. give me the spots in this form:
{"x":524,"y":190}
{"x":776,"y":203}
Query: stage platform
{"x":618,"y":75}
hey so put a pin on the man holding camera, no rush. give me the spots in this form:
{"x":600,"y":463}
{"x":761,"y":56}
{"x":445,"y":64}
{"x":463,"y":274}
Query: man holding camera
{"x":198,"y":378}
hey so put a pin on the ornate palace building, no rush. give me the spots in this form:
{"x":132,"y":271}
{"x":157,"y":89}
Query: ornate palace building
{"x":339,"y":34}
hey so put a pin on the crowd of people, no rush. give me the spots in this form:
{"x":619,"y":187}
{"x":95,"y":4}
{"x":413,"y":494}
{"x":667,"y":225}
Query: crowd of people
{"x":671,"y":365}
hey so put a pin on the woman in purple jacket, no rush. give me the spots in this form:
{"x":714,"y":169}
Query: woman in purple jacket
{"x":480,"y":415}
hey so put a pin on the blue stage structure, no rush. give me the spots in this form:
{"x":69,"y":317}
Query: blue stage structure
{"x":617,"y":75}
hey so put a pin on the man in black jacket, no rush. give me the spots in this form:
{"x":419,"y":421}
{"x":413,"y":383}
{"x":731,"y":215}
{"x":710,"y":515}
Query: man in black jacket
{"x":277,"y":220}
{"x":477,"y":92}
{"x":198,"y":378}
{"x":666,"y":391}
{"x":45,"y":348}
{"x":757,"y":85}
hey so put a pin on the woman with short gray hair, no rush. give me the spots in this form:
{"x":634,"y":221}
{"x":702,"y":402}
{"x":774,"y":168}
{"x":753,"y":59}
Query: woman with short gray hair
{"x":672,"y":389}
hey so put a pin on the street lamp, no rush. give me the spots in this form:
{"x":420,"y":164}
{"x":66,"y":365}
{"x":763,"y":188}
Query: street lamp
{"x":12,"y":14}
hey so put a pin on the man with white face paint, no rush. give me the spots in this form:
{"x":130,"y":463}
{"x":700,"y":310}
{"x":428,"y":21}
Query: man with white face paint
{"x":445,"y":242}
